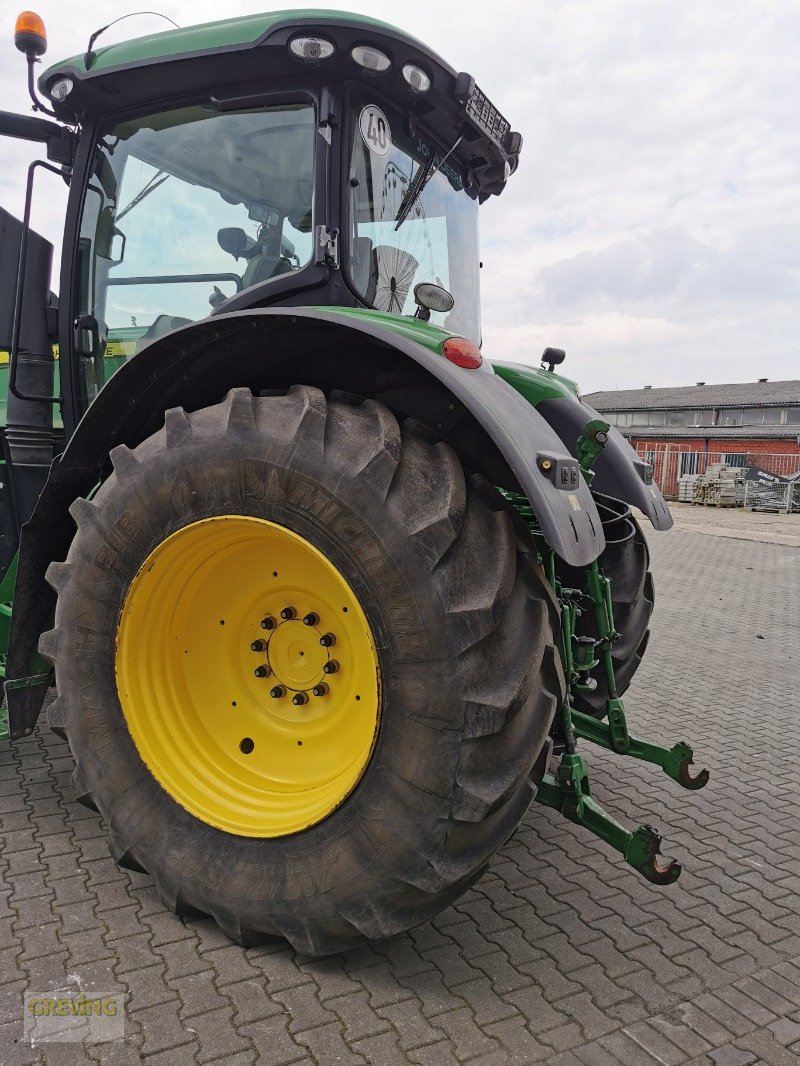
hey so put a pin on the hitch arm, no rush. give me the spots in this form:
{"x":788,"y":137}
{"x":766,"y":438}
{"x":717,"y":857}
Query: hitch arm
{"x":568,"y":792}
{"x":613,"y":735}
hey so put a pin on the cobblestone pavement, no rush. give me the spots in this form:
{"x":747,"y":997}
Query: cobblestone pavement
{"x":736,"y":522}
{"x":559,"y":954}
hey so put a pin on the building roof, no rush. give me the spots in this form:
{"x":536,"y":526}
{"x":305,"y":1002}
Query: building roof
{"x":738,"y":394}
{"x":790,"y":432}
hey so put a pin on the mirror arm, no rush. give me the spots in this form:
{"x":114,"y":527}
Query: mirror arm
{"x":60,"y":140}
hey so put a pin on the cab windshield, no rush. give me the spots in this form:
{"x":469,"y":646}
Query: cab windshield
{"x":396,"y":240}
{"x":185,"y":208}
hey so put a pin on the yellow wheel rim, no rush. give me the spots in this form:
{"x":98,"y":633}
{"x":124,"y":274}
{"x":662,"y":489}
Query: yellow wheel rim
{"x":248,"y":676}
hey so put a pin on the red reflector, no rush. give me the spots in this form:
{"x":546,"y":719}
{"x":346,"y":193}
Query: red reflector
{"x":462,"y":352}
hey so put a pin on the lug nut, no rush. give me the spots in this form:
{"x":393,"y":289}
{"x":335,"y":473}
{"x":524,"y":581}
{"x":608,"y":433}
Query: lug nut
{"x":262,"y":671}
{"x":277,"y":692}
{"x":330,"y":667}
{"x":321,"y":689}
{"x":311,"y":619}
{"x":287,"y":613}
{"x":258,"y":645}
{"x":268,"y":622}
{"x":299,"y":699}
{"x":328,"y":640}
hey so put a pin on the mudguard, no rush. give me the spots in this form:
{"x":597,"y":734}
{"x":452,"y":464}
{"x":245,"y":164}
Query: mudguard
{"x":619,"y":471}
{"x":196,"y":365}
{"x":563,"y":504}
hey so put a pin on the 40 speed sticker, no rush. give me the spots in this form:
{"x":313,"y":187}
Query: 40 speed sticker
{"x":374,"y":126}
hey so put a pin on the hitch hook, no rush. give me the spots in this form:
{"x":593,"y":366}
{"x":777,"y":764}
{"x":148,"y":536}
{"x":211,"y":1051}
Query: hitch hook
{"x":643,"y":854}
{"x":681,"y":758}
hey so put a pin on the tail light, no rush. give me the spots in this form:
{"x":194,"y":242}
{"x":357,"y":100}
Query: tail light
{"x":462,"y":352}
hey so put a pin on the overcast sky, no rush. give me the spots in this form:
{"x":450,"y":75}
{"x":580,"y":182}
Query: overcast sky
{"x":653,"y":227}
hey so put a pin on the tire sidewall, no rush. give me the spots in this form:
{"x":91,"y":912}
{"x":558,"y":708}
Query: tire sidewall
{"x":299,"y":877}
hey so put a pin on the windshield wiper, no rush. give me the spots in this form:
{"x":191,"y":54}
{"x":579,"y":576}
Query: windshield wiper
{"x":421,"y":179}
{"x":418,"y":183}
{"x":154,"y":183}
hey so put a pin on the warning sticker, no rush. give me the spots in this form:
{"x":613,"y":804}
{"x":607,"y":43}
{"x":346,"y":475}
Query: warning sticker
{"x":575,"y":502}
{"x":374,"y":126}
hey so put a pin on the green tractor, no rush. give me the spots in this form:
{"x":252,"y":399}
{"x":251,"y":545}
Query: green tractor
{"x":328,"y":598}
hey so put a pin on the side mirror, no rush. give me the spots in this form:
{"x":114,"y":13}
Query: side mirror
{"x":232,"y":240}
{"x":553,"y":356}
{"x":117,"y":249}
{"x":109,"y":241}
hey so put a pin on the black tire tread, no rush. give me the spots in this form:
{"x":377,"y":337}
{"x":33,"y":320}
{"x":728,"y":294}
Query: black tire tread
{"x":498,"y":602}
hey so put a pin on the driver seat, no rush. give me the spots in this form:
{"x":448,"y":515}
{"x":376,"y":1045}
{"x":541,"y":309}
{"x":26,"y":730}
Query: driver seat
{"x":260,"y":266}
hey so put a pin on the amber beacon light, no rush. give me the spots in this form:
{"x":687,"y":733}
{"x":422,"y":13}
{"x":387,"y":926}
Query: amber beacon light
{"x":30,"y":36}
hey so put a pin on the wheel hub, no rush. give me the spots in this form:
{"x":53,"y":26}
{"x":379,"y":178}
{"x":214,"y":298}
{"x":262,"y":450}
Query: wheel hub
{"x":294,"y":660}
{"x":295,"y":655}
{"x":248,"y":676}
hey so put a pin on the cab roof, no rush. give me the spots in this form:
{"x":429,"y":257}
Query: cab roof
{"x":233,"y":33}
{"x":239,"y":62}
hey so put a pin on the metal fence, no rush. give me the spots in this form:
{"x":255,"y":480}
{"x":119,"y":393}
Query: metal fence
{"x":671,"y":462}
{"x":782,"y":496}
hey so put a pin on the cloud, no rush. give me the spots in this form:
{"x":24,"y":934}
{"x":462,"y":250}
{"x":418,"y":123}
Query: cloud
{"x":652,"y":227}
{"x":684,"y":277}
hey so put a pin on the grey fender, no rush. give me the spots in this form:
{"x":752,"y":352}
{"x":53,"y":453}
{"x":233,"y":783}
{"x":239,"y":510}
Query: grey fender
{"x":619,"y":471}
{"x":567,"y":515}
{"x":268,"y":348}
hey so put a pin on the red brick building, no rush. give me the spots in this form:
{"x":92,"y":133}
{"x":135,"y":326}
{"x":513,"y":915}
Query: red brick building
{"x":683,"y":429}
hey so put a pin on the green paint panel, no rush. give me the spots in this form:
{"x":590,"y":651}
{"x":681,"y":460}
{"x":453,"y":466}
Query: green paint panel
{"x":57,"y":420}
{"x":413,"y":329}
{"x":534,"y":384}
{"x":211,"y":36}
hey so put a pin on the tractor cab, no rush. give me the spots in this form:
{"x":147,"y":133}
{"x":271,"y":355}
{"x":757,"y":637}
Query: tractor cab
{"x":281,"y":159}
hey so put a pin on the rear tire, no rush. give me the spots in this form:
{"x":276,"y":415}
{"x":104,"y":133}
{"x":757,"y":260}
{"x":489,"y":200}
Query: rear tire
{"x":626,"y":561}
{"x":463,"y":623}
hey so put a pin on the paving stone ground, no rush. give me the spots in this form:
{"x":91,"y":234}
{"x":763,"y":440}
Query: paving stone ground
{"x":768,"y":526}
{"x":560,"y":954}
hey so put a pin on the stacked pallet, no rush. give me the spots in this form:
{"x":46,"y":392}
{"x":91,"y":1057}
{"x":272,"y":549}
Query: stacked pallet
{"x":720,"y":486}
{"x":686,"y":484}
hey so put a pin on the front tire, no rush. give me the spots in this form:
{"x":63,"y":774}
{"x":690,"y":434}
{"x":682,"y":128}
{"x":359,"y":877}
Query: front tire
{"x":457,"y":616}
